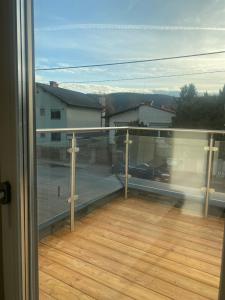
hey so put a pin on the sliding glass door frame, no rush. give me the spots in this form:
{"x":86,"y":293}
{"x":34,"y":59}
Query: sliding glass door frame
{"x":17,"y":134}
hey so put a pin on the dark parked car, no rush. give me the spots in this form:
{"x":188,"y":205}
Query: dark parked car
{"x":147,"y":171}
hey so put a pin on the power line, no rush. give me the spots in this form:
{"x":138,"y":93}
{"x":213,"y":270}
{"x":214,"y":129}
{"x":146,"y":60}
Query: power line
{"x":146,"y":77}
{"x":131,"y":61}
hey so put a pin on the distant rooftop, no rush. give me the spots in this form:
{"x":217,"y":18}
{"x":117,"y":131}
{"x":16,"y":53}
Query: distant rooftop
{"x":162,"y":108}
{"x":69,"y":97}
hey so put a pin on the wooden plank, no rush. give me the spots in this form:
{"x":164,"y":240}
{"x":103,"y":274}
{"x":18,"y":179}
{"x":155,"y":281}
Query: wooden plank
{"x":222,"y":287}
{"x":141,"y":265}
{"x":145,"y":279}
{"x":78,"y":281}
{"x":59,"y":290}
{"x":109,"y":279}
{"x":127,"y":217}
{"x":214,"y":223}
{"x":172,"y":212}
{"x":44,"y":296}
{"x":158,"y":238}
{"x":176,"y":254}
{"x":162,"y":220}
{"x":96,"y":242}
{"x":86,"y":229}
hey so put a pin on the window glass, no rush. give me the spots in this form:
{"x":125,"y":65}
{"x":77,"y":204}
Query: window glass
{"x":56,"y":136}
{"x":55,"y":114}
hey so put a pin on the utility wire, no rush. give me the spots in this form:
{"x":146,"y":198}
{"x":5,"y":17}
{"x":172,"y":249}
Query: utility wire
{"x":146,"y":77}
{"x":131,"y":61}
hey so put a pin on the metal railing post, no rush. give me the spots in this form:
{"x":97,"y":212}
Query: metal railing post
{"x":209,"y":173}
{"x":127,"y":141}
{"x":73,"y":197}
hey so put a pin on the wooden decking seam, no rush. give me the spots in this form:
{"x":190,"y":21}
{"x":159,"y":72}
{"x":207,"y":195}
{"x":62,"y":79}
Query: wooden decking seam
{"x":155,"y":228}
{"x":181,"y":246}
{"x":131,"y":281}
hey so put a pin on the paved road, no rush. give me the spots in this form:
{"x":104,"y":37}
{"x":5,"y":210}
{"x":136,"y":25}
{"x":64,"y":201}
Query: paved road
{"x":53,"y":183}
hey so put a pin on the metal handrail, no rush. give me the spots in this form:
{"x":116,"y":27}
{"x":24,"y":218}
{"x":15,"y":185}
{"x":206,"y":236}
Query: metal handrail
{"x":179,"y":130}
{"x":79,"y":129}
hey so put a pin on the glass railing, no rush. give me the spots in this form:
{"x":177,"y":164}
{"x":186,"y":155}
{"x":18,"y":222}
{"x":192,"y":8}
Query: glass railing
{"x":217,"y":182}
{"x":85,"y":165}
{"x":97,"y":176}
{"x":170,"y":164}
{"x":53,"y":178}
{"x":81,"y":167}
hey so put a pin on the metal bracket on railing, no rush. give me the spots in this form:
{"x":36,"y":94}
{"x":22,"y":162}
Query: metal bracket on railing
{"x":213,"y":149}
{"x":129,"y":176}
{"x":203,"y":189}
{"x":129,"y":142}
{"x":76,"y":150}
{"x":75,"y":198}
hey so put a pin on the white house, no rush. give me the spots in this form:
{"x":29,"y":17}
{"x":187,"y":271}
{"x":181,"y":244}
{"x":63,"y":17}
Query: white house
{"x":145,"y":113}
{"x":148,"y":115}
{"x":62,"y":108}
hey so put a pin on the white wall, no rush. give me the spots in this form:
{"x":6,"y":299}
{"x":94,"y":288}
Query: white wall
{"x":48,"y":102}
{"x":83,"y":117}
{"x":70,"y":116}
{"x":148,"y":115}
{"x":127,"y":116}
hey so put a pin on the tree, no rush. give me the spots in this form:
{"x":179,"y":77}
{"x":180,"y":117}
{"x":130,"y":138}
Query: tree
{"x":222,"y":94}
{"x":188,"y":92}
{"x":199,"y":112}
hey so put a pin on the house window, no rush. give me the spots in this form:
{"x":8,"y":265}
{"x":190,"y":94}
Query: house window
{"x":42,"y":112}
{"x":42,"y":135}
{"x":55,"y":136}
{"x":55,"y":114}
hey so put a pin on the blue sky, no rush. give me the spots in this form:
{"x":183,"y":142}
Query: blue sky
{"x":78,"y":32}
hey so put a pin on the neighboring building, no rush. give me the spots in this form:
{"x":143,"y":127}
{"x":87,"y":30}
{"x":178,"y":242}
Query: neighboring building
{"x":62,"y":108}
{"x":148,"y":115}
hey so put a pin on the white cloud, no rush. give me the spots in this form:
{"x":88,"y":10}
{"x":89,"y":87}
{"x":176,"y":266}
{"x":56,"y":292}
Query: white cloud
{"x":107,"y":89}
{"x":39,"y":78}
{"x":128,"y":27}
{"x":103,"y":89}
{"x":166,"y":87}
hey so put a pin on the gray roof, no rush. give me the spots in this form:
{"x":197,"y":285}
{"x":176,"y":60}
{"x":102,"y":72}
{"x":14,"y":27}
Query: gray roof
{"x":137,"y":106}
{"x":71,"y":98}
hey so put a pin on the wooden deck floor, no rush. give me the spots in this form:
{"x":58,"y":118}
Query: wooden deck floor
{"x":133,"y":249}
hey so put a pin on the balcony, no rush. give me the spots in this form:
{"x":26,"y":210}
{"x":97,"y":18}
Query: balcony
{"x":148,"y":222}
